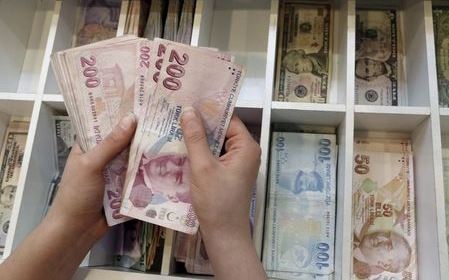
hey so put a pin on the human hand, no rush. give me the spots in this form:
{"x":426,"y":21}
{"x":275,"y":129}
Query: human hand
{"x":79,"y":201}
{"x":221,"y":187}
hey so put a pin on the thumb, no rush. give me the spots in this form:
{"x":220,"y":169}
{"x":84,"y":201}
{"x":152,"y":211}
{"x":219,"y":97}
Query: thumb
{"x":114,"y":143}
{"x":195,"y":138}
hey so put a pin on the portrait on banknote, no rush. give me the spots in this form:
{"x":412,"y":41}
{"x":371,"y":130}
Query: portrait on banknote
{"x":303,"y":58}
{"x":298,"y":181}
{"x":384,"y":232}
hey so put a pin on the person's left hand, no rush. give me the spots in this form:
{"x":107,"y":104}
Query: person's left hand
{"x":79,"y":201}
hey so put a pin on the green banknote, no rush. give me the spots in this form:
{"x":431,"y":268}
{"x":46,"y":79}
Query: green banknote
{"x":303,"y":52}
{"x":441,"y":31}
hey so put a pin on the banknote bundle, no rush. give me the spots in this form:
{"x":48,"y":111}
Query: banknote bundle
{"x":379,"y":64}
{"x":96,"y":20}
{"x":304,"y":52}
{"x":300,"y":217}
{"x":139,"y":246}
{"x":156,"y":80}
{"x":169,"y":19}
{"x":11,"y":161}
{"x":441,"y":32}
{"x":384,"y":228}
{"x":63,"y":142}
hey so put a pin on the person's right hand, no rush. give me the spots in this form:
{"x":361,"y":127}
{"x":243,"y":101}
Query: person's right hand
{"x":221,"y":187}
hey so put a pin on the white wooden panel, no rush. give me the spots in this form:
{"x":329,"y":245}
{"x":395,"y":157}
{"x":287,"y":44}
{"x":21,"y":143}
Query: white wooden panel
{"x":16,"y":18}
{"x":112,"y":273}
{"x":399,"y":119}
{"x":29,"y":79}
{"x":426,"y":212}
{"x":265,"y":129}
{"x":307,"y":113}
{"x":241,"y":28}
{"x":41,"y":169}
{"x":63,"y":38}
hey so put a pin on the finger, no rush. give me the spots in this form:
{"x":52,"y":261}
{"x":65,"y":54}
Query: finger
{"x":195,"y":138}
{"x":237,"y":135}
{"x":114,"y":143}
{"x":237,"y":128}
{"x":76,"y":149}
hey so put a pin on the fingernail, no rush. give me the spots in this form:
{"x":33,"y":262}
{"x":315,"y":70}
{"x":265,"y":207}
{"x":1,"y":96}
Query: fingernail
{"x":188,"y":113}
{"x":127,"y":121}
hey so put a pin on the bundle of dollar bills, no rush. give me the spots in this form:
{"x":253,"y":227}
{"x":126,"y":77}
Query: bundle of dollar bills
{"x":11,"y":162}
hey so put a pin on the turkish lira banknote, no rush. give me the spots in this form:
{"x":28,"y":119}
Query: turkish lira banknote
{"x":11,"y":162}
{"x":184,"y":33}
{"x":384,"y":228}
{"x":304,"y":50}
{"x":158,"y":190}
{"x":300,"y":232}
{"x":441,"y":33}
{"x":98,"y":84}
{"x":379,"y":69}
{"x":96,"y":20}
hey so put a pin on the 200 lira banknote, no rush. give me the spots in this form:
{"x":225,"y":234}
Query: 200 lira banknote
{"x":158,"y":187}
{"x":384,"y":231}
{"x":301,"y":207}
{"x":441,"y":31}
{"x":304,"y":48}
{"x":379,"y":59}
{"x":98,"y":84}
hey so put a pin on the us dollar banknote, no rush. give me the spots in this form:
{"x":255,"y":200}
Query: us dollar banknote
{"x":65,"y":138}
{"x":304,"y":48}
{"x":379,"y":59}
{"x":384,"y":228}
{"x":441,"y":32}
{"x":11,"y":163}
{"x":301,"y":208}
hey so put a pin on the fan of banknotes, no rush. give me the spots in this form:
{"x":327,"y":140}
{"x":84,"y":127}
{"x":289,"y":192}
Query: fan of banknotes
{"x":384,"y":228}
{"x":145,"y":19}
{"x":10,"y":163}
{"x":156,"y":80}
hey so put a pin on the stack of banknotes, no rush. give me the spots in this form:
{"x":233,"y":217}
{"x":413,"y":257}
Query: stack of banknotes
{"x":139,"y":246}
{"x":10,"y":163}
{"x":299,"y":232}
{"x":441,"y":32}
{"x":379,"y":65}
{"x":156,"y":80}
{"x":304,"y":52}
{"x":384,"y":228}
{"x":63,"y":142}
{"x":96,"y":20}
{"x":145,"y":19}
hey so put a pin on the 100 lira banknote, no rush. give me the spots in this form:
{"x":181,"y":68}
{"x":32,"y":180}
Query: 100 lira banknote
{"x":301,"y":209}
{"x":379,"y":59}
{"x":384,"y":232}
{"x":304,"y":43}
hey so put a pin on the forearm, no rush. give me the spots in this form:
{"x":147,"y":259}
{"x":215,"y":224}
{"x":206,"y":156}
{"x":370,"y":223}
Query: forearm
{"x":53,"y":250}
{"x":233,"y":255}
